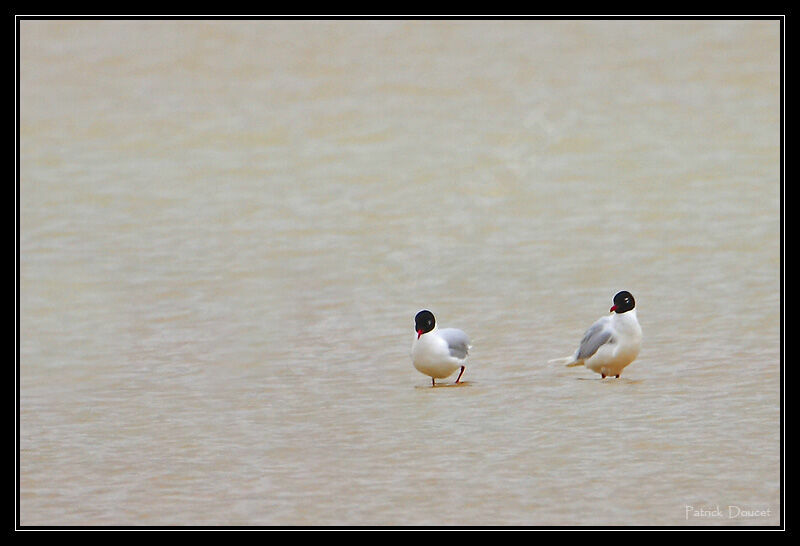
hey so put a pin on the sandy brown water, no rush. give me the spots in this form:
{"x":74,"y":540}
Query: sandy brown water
{"x":226,"y":228}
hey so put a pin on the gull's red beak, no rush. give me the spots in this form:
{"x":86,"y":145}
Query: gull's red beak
{"x":419,"y":333}
{"x":613,"y":308}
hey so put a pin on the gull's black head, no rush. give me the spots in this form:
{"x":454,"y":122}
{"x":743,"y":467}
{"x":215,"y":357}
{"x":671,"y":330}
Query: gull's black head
{"x":424,"y":322}
{"x":623,"y":302}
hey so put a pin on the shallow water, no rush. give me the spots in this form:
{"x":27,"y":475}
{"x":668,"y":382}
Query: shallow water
{"x":227,"y":228}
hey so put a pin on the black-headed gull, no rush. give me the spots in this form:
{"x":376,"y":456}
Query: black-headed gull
{"x":438,"y":352}
{"x":612,"y":342}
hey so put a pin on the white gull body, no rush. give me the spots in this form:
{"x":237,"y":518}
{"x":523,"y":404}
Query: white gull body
{"x":440,"y":352}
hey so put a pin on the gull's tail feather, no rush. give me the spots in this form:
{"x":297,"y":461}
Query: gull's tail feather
{"x":567,"y":361}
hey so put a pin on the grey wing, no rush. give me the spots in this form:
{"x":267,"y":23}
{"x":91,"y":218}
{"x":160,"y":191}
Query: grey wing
{"x":457,"y":341}
{"x":593,"y":339}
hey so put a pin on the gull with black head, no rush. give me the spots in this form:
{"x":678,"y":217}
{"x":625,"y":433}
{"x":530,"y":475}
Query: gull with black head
{"x":611,"y":343}
{"x":438,"y":352}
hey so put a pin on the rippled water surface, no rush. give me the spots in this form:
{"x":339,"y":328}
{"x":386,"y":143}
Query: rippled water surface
{"x":226,"y":228}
